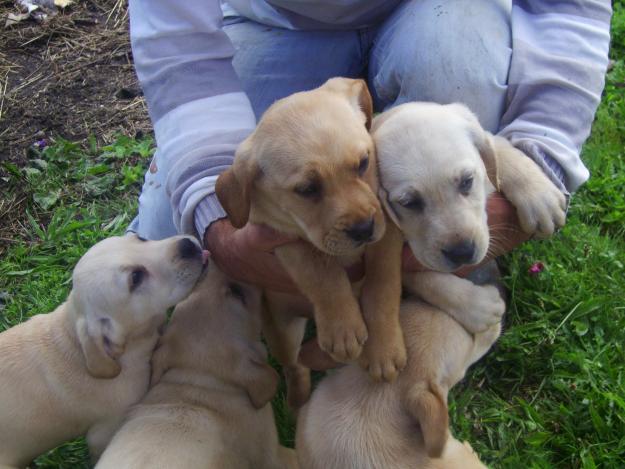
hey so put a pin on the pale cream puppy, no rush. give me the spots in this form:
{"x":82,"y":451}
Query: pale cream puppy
{"x":437,"y":167}
{"x":309,"y":170}
{"x":76,"y":370}
{"x":353,"y":423}
{"x":209,"y":404}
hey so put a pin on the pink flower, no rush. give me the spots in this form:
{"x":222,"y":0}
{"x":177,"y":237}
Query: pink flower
{"x":536,"y":268}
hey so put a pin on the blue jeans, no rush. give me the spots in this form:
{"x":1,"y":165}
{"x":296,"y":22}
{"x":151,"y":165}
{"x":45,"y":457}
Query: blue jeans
{"x":426,"y":50}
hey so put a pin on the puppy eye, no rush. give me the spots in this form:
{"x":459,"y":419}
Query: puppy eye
{"x":364,"y":164}
{"x":415,"y":203}
{"x":310,"y":190}
{"x":465,"y":185}
{"x":137,"y":277}
{"x":237,"y":292}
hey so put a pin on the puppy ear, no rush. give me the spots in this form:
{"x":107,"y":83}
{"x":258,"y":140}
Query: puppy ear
{"x":388,"y":208}
{"x":482,"y":141}
{"x":485,"y":146}
{"x":261,"y":383}
{"x":357,"y":93}
{"x":429,"y":407}
{"x":98,"y":347}
{"x":234,"y":186}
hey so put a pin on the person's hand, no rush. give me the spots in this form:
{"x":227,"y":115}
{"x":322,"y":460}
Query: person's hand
{"x":505,"y":235}
{"x":246,"y":254}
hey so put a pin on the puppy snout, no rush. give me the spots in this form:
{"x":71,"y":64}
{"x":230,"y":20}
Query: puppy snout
{"x":188,"y":249}
{"x":361,"y":231}
{"x":460,"y":253}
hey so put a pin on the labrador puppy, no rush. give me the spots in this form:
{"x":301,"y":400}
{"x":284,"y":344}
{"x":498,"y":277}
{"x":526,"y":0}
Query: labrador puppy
{"x":437,"y":167}
{"x":208,"y":406}
{"x":76,"y":370}
{"x":309,"y":170}
{"x":353,"y":423}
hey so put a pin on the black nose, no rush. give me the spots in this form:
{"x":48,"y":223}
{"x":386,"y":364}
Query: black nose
{"x":188,"y":249}
{"x":361,"y":231}
{"x":461,"y":253}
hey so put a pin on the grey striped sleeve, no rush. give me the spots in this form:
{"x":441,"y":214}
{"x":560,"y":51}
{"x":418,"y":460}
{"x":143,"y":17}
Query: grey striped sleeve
{"x":559,"y":59}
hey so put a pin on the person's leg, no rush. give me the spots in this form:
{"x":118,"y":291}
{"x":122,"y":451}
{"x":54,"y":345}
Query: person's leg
{"x":444,"y":51}
{"x":273,"y":63}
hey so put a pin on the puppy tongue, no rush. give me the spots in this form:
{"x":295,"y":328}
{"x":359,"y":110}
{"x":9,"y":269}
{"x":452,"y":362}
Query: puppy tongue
{"x":205,"y":256}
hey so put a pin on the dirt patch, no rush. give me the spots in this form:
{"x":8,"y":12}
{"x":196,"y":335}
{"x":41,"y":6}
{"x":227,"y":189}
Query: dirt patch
{"x":71,"y":76}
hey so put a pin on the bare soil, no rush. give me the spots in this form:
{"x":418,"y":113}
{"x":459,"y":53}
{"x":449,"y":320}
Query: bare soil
{"x":70,"y":76}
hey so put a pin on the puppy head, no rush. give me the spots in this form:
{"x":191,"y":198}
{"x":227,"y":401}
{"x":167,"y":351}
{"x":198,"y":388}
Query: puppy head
{"x":220,"y":318}
{"x":220,"y":303}
{"x":122,"y":288}
{"x":309,"y":169}
{"x":437,"y":168}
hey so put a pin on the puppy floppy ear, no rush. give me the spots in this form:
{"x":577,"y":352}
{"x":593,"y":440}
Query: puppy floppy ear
{"x":388,"y":208}
{"x":260,"y":383}
{"x":428,"y":405}
{"x":484,"y":145}
{"x":483,"y":142}
{"x":356,"y":92}
{"x":234,"y":185}
{"x":101,"y":347}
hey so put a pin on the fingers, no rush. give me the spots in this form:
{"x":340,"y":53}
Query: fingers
{"x":262,"y":237}
{"x":311,"y":356}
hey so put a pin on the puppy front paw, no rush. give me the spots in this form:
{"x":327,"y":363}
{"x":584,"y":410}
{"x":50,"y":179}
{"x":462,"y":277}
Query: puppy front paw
{"x":342,"y":336}
{"x":541,"y":212}
{"x":540,"y":205}
{"x":485,"y":310}
{"x":384,"y":357}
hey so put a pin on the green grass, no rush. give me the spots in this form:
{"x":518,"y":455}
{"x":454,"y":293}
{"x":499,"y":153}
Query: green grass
{"x":552,"y":394}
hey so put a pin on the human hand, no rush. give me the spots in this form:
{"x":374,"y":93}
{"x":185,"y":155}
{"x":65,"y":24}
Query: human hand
{"x":246,"y":254}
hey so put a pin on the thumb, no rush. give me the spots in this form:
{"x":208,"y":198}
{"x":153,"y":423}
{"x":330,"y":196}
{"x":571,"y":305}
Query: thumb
{"x":311,"y":356}
{"x":263,"y":237}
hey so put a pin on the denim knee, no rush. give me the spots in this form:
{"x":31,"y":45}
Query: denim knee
{"x":444,"y":51}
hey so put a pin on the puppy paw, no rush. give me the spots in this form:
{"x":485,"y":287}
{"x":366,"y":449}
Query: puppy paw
{"x":342,"y":337}
{"x":384,"y":357}
{"x":541,"y":213}
{"x":540,"y":205}
{"x":485,"y":309}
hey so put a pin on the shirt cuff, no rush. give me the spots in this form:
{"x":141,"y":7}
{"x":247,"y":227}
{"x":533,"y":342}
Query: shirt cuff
{"x":206,"y":212}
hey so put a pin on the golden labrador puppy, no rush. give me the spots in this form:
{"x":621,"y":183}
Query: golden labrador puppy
{"x":208,"y":407}
{"x":76,"y":370}
{"x":309,"y":170}
{"x":353,"y":423}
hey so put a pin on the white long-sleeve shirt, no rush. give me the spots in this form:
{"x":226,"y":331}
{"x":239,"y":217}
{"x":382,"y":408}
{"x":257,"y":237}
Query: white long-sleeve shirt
{"x":200,"y":113}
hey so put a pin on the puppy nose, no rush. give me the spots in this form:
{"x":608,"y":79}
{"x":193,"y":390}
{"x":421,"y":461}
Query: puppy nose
{"x":188,"y":249}
{"x":461,"y":253}
{"x":361,"y":231}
